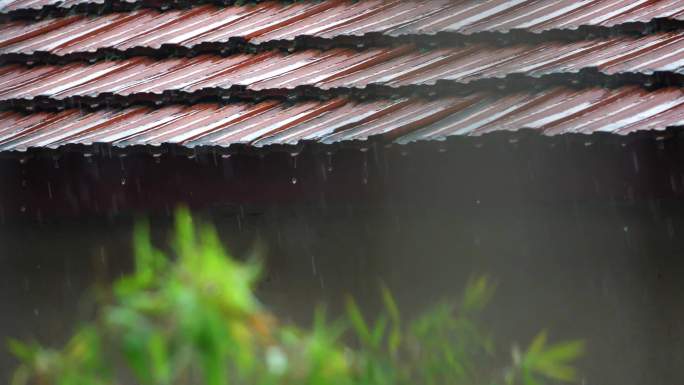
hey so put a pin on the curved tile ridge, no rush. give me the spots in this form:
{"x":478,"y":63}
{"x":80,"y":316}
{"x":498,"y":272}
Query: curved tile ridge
{"x":7,"y":6}
{"x":36,"y":9}
{"x":342,"y":68}
{"x":552,"y":112}
{"x":477,"y":15}
{"x":275,"y":21}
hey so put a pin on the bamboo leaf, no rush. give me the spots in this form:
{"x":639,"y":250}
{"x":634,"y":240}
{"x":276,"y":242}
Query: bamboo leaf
{"x":358,"y":322}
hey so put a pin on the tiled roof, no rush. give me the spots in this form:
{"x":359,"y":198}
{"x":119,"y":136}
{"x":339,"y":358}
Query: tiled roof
{"x":334,"y":68}
{"x":270,"y":21}
{"x":413,"y":16}
{"x":330,"y":112}
{"x":551,"y":112}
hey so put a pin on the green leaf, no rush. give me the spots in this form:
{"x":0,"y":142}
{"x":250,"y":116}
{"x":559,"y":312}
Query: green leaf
{"x":358,"y":322}
{"x":538,"y":343}
{"x":134,"y":351}
{"x":551,"y":362}
{"x":22,"y":351}
{"x":477,"y":294}
{"x":394,"y":339}
{"x":378,"y":332}
{"x":159,"y":358}
{"x":565,"y":351}
{"x":185,"y":234}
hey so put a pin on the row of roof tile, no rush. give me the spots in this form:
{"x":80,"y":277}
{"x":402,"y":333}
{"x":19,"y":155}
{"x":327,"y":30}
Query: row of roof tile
{"x":13,"y":6}
{"x":554,"y":111}
{"x":335,"y":68}
{"x":273,"y":21}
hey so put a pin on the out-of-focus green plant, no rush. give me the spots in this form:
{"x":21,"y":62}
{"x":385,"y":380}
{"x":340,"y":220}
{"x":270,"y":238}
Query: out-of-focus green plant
{"x":541,"y":361}
{"x":194,"y":319}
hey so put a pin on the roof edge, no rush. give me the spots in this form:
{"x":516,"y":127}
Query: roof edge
{"x":512,"y":83}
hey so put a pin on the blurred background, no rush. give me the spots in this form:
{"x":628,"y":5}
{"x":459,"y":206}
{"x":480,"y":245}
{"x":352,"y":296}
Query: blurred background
{"x":585,"y":242}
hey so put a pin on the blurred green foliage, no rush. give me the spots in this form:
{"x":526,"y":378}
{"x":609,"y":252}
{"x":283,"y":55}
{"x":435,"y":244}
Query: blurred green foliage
{"x":195,"y":320}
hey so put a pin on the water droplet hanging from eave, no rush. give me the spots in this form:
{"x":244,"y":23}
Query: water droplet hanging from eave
{"x":293,"y":179}
{"x":330,"y":165}
{"x":364,"y":170}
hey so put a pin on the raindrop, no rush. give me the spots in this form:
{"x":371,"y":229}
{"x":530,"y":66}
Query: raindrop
{"x":36,"y":312}
{"x":27,"y":285}
{"x":123,"y":180}
{"x":364,"y":175}
{"x":23,"y":183}
{"x":635,"y":161}
{"x":324,"y":172}
{"x":22,"y":208}
{"x":49,"y":186}
{"x":330,"y":166}
{"x":313,"y":264}
{"x":625,"y":229}
{"x":293,"y":180}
